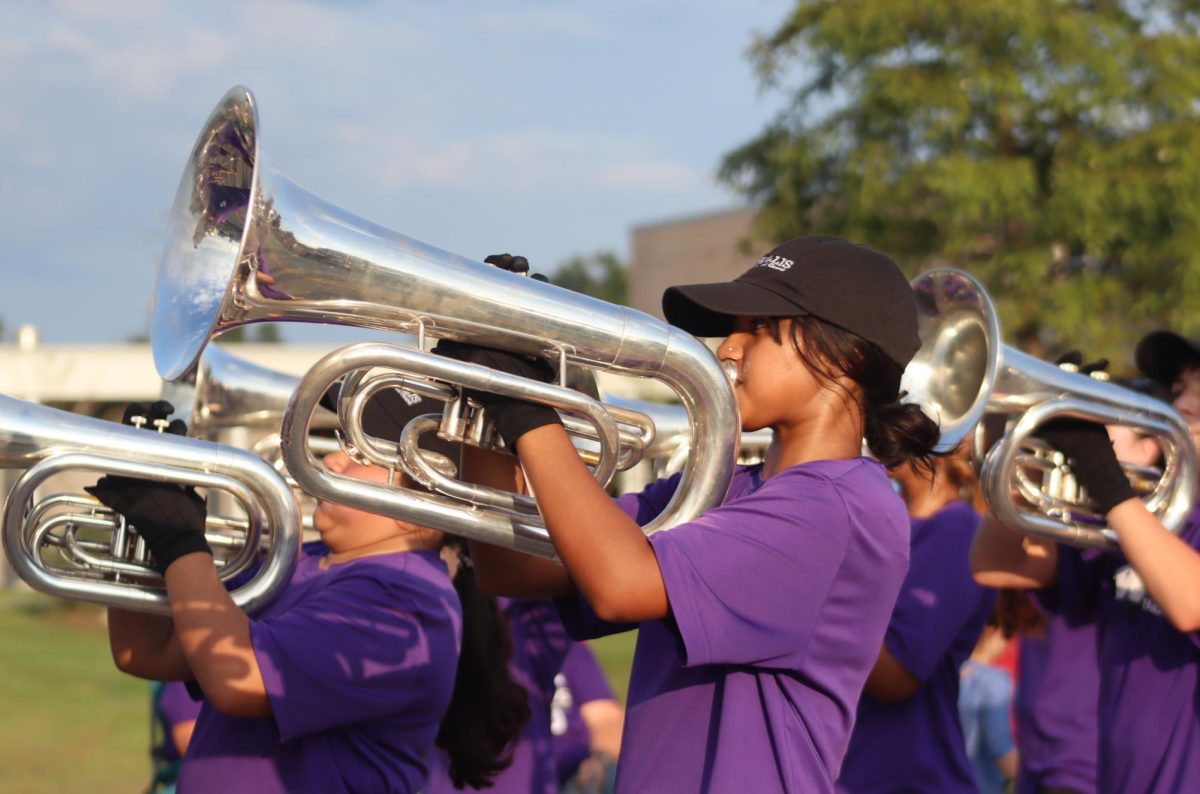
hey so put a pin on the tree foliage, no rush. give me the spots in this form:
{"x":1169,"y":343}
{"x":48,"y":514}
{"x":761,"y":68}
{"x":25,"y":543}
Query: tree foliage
{"x":600,"y":275}
{"x":1051,"y":147}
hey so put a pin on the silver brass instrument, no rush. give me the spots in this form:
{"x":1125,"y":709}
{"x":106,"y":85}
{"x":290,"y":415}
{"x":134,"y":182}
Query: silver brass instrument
{"x":672,"y":440}
{"x":70,"y":546}
{"x":247,"y":245}
{"x":963,"y":374}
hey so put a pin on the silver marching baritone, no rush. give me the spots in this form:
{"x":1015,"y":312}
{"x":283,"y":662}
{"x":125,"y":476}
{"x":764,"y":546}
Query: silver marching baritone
{"x":226,"y":395}
{"x":68,"y":545}
{"x":247,"y":245}
{"x":965,"y":376}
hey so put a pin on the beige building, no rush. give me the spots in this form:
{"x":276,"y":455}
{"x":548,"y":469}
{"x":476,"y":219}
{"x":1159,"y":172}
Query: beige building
{"x":705,"y":248}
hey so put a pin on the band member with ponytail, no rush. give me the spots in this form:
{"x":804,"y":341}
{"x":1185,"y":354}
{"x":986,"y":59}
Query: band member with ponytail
{"x":760,"y":620}
{"x":1144,"y":598}
{"x":530,"y":636}
{"x":341,"y":682}
{"x":907,"y":735}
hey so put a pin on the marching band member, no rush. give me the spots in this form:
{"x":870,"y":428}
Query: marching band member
{"x":586,"y":722}
{"x":1145,"y":599}
{"x":340,"y":683}
{"x":907,"y":735}
{"x":760,"y":620}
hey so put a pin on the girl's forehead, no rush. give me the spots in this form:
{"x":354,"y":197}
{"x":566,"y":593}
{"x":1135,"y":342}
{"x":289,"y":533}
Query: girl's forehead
{"x":1189,"y":379}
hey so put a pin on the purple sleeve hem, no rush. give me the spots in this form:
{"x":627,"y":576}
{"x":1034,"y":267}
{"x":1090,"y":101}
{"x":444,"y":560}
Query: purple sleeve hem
{"x":696,"y":647}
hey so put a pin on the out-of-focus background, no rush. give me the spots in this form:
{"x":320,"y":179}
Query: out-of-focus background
{"x":1051,"y":147}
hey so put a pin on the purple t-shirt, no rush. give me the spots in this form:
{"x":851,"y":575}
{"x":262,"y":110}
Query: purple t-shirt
{"x":539,"y":644}
{"x":1057,"y":699}
{"x":579,"y":682}
{"x":918,"y":744}
{"x":175,"y":705}
{"x":358,"y":661}
{"x":779,"y":600}
{"x":1149,"y":674}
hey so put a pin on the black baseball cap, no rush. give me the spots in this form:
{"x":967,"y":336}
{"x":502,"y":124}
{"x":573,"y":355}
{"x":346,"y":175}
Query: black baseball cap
{"x":1162,"y":356}
{"x":835,"y":280}
{"x":389,"y":410}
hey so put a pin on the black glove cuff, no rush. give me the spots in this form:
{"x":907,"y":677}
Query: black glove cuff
{"x":515,"y":418}
{"x":170,"y":549}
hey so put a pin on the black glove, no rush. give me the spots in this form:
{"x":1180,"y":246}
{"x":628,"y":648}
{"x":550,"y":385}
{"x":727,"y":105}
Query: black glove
{"x":169,"y":516}
{"x":1075,"y":359}
{"x":1093,"y":461}
{"x":153,"y":416}
{"x":513,"y":418}
{"x":513,"y":264}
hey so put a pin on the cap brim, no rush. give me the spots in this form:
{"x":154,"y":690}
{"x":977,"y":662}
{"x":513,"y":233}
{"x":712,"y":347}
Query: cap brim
{"x":1162,"y":354}
{"x":713,"y":309}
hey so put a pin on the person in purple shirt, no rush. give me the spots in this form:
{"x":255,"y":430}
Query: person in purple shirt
{"x":172,"y":720}
{"x":586,"y":723}
{"x":341,"y":682}
{"x":907,"y":735}
{"x":538,"y":644}
{"x":1145,"y":599}
{"x":760,"y":620}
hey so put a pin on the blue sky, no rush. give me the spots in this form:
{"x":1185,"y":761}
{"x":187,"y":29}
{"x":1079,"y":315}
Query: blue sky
{"x":542,"y":128}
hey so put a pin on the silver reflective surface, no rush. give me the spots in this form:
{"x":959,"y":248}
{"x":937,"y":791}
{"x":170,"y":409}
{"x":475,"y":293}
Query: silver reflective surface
{"x":247,"y":245}
{"x":963,"y":375}
{"x":952,"y":373}
{"x":48,"y":441}
{"x":205,"y":232}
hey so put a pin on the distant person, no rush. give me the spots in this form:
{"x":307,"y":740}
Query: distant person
{"x":907,"y":736}
{"x":985,"y":709}
{"x":586,"y":723}
{"x":173,"y":715}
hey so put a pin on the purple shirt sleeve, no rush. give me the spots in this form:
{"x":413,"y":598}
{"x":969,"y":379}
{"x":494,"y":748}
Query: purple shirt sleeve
{"x":577,"y":615}
{"x":358,"y":649}
{"x":735,"y":596}
{"x":585,"y":677}
{"x":939,"y":596}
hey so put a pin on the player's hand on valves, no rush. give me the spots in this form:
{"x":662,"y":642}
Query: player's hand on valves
{"x":1092,"y":460}
{"x":171,"y":517}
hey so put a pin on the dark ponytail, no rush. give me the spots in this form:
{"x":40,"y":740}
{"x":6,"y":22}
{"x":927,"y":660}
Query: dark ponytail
{"x":488,"y":708}
{"x":896,"y":432}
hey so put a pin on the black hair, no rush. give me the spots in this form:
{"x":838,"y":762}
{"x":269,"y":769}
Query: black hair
{"x":897,"y":432}
{"x":488,"y":708}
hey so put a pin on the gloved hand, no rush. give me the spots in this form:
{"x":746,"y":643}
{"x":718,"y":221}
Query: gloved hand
{"x":153,"y":416}
{"x":1074,"y":358}
{"x":169,"y":516}
{"x":1092,"y":460}
{"x":513,"y":264}
{"x":513,"y":418}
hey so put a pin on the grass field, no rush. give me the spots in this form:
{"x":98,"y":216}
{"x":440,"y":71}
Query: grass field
{"x":70,"y":722}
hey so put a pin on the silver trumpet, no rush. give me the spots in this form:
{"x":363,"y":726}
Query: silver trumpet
{"x":246,"y":245}
{"x":964,"y":376}
{"x":68,"y":545}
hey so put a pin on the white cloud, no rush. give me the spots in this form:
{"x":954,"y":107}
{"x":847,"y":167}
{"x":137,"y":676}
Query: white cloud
{"x":519,"y":161}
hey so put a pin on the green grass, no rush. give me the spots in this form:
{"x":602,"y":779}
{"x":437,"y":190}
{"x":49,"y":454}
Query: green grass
{"x":70,"y":721}
{"x":615,"y":655}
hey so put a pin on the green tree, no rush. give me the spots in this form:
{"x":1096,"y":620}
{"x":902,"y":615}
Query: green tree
{"x":1051,"y":147}
{"x":600,"y":275}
